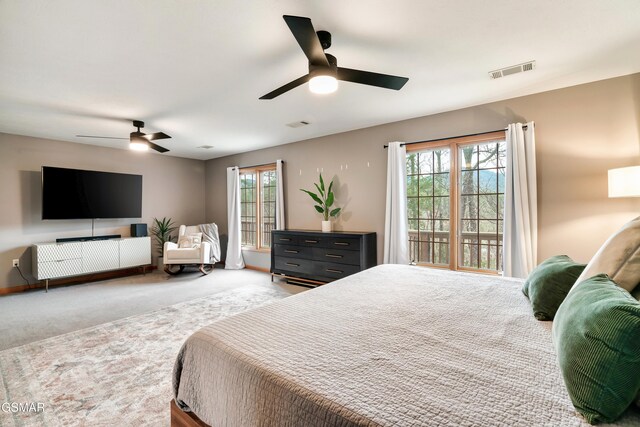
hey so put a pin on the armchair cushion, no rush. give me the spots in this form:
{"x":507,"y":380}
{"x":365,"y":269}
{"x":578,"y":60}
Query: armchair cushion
{"x":192,"y":240}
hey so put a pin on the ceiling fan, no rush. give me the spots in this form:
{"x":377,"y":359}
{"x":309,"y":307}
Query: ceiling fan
{"x":324,"y":72}
{"x":138,"y":140}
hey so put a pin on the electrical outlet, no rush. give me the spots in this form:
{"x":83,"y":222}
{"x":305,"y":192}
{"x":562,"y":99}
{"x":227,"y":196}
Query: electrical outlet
{"x":16,"y":263}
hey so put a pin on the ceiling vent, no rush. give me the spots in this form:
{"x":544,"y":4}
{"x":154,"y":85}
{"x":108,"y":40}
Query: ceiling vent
{"x":206,"y":147}
{"x":515,"y":69}
{"x":297,"y":124}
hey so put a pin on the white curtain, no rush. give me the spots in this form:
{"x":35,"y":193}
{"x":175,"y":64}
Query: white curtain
{"x":396,"y":237}
{"x":520,"y":238}
{"x":234,"y":259}
{"x":279,"y":196}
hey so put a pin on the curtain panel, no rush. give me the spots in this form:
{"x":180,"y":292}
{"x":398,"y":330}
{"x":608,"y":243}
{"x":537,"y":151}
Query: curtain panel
{"x":280,"y":225}
{"x":396,"y":237}
{"x":234,"y":259}
{"x":520,"y":237}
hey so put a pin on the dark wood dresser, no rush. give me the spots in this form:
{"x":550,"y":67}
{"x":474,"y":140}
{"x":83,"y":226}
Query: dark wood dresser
{"x":313,"y":257}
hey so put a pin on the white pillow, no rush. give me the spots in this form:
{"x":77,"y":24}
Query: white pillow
{"x":619,"y":257}
{"x":192,"y":240}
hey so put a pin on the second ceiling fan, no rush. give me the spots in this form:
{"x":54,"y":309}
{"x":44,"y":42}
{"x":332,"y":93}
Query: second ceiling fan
{"x":324,"y":72}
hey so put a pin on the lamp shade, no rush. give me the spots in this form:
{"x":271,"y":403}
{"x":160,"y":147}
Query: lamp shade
{"x":624,"y":182}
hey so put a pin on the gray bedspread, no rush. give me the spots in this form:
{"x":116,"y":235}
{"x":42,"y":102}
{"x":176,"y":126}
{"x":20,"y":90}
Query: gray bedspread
{"x":391,"y":346}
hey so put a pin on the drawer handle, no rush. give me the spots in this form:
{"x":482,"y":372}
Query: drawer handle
{"x":341,"y":243}
{"x":292,"y":264}
{"x":331,"y":270}
{"x":332,"y":256}
{"x":289,"y":251}
{"x":285,"y":240}
{"x":311,"y":241}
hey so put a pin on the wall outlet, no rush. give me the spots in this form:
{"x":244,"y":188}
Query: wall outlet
{"x":16,"y":263}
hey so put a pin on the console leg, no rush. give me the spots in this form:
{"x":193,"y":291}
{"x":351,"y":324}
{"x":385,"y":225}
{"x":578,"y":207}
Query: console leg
{"x":46,"y":285}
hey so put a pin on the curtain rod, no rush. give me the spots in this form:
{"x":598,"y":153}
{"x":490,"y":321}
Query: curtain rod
{"x":453,"y":137}
{"x":256,"y":166}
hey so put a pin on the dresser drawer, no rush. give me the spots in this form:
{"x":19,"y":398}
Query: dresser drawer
{"x":333,"y":270}
{"x":291,"y":251}
{"x":339,"y":256}
{"x":285,"y":239}
{"x":295,"y":265}
{"x":342,"y":243}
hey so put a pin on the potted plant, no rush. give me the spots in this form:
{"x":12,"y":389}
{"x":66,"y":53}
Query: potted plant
{"x":324,"y":200}
{"x":161,"y":230}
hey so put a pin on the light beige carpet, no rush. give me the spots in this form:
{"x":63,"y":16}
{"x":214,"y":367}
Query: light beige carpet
{"x":114,"y":374}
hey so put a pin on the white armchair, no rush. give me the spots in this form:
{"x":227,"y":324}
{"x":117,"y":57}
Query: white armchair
{"x":189,"y":250}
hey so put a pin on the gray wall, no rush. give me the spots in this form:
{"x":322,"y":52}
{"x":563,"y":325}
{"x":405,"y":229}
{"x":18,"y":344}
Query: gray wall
{"x":172,"y":187}
{"x":581,"y":132}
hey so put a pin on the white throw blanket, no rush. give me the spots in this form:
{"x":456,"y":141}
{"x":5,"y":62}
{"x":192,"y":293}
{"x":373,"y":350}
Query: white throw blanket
{"x":210,"y":234}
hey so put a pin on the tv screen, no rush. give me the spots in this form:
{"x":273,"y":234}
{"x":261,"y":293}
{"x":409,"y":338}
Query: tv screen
{"x":80,"y":194}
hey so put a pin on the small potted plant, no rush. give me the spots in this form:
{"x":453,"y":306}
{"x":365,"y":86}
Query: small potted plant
{"x":324,"y":200}
{"x":161,"y":230}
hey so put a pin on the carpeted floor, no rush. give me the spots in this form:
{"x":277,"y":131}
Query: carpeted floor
{"x":117,"y":373}
{"x":31,"y":316}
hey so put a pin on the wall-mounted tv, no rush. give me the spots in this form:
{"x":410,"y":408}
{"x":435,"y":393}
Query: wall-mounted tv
{"x":83,"y":194}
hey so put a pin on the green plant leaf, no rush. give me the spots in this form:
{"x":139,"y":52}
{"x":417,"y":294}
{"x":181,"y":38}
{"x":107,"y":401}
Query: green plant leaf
{"x":319,"y":209}
{"x":335,"y":212}
{"x":313,"y":196}
{"x":321,"y":183}
{"x":330,"y":185}
{"x":329,"y":200}
{"x":320,"y":191}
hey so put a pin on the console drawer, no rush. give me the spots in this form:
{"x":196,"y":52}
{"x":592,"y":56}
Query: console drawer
{"x":62,"y":268}
{"x":58,"y":252}
{"x":339,"y":256}
{"x":333,"y":270}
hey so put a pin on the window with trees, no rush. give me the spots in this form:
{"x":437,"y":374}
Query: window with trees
{"x":455,"y":202}
{"x":257,"y":206}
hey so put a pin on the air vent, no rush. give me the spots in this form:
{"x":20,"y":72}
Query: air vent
{"x":206,"y":147}
{"x":297,"y":124}
{"x":503,"y":72}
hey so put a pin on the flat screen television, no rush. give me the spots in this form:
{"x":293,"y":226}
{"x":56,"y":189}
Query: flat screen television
{"x":83,"y":194}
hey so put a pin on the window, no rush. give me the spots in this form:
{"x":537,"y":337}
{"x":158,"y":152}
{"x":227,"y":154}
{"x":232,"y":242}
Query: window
{"x":257,"y":206}
{"x":455,"y":202}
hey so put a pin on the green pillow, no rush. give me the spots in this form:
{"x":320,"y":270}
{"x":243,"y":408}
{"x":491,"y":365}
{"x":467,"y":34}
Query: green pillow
{"x":549,"y":283}
{"x":597,"y":337}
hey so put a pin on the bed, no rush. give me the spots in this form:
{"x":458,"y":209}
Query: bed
{"x":390,"y":346}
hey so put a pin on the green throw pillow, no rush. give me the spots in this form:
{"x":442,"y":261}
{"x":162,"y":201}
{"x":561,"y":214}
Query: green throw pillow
{"x":597,"y":337}
{"x":549,"y":283}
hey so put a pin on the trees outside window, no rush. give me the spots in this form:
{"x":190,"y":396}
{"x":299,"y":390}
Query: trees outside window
{"x":455,"y":202}
{"x":257,"y":206}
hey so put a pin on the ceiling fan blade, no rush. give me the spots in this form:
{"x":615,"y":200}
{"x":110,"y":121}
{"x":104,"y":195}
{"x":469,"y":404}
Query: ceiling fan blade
{"x":158,"y":148}
{"x":101,"y":137}
{"x":371,"y":79}
{"x":307,"y":38}
{"x":157,"y":135}
{"x":282,"y":89}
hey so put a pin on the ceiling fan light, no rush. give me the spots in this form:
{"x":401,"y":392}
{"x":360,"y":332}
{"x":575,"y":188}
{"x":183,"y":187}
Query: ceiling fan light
{"x":323,"y":84}
{"x":138,"y":146}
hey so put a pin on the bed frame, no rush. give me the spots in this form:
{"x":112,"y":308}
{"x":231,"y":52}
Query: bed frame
{"x":179,"y":418}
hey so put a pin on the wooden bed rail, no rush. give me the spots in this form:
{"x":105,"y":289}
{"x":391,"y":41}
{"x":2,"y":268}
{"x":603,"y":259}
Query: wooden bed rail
{"x":179,"y":418}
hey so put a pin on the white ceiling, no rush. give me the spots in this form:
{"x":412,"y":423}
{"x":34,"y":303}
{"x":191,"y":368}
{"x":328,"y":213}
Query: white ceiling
{"x":195,"y":69}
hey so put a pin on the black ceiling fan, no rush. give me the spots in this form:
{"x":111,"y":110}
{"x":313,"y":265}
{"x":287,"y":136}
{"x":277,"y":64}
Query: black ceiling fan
{"x":324,"y":66}
{"x":138,"y":140}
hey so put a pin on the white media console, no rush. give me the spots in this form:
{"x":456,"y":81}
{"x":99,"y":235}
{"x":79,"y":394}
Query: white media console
{"x":56,"y":260}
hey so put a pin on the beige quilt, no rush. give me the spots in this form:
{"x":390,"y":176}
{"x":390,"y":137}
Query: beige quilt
{"x":391,"y":346}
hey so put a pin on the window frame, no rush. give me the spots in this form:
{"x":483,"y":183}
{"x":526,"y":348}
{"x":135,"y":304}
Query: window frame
{"x":258,"y":170}
{"x":454,"y":144}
